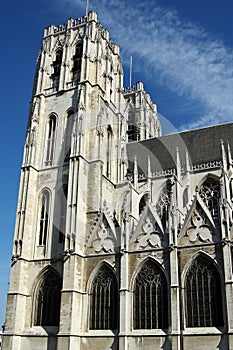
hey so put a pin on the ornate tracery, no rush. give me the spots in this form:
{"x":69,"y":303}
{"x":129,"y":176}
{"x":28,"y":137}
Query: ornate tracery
{"x":163,"y":204}
{"x":150,"y":298}
{"x":48,"y":299}
{"x":104,"y":300}
{"x":44,"y":217}
{"x":210,"y":193}
{"x":50,"y":142}
{"x":203,"y":295}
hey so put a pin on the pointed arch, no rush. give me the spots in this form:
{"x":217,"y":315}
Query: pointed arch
{"x":109,"y":150}
{"x":203,"y":294}
{"x":44,"y":207}
{"x":63,"y":192}
{"x":104,"y":299}
{"x":164,"y":202}
{"x":77,"y":61}
{"x":47,"y":299}
{"x":150,"y":297}
{"x":50,"y":141}
{"x":133,"y":130}
{"x":68,"y":134}
{"x":143,"y":202}
{"x":57,"y":68}
{"x":209,"y":191}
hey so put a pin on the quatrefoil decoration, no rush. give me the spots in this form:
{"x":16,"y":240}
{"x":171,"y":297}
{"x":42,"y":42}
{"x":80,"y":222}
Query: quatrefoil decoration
{"x":104,"y":241}
{"x":199,"y":230}
{"x":149,"y":237}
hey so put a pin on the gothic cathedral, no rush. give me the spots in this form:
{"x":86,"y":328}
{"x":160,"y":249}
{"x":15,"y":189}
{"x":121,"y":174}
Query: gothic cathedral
{"x":123,"y":237}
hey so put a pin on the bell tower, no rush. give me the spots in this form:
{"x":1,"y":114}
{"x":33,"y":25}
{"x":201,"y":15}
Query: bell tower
{"x":73,"y":173}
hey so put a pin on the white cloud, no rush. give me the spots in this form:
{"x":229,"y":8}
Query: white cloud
{"x":187,"y":58}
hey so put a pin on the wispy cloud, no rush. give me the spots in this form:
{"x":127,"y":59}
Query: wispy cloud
{"x":183,"y":55}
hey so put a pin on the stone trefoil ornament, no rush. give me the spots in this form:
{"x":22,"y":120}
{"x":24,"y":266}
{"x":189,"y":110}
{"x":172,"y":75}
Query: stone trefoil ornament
{"x":199,"y":230}
{"x":149,"y":236}
{"x":103,"y":242}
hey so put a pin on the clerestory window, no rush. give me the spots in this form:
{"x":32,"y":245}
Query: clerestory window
{"x":150,"y":298}
{"x":210,"y":193}
{"x":143,"y":202}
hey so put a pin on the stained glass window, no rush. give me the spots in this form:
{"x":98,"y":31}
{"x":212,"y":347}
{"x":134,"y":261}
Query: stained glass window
{"x":48,"y":300}
{"x":203,"y":295}
{"x":104,"y":300}
{"x":150,"y":298}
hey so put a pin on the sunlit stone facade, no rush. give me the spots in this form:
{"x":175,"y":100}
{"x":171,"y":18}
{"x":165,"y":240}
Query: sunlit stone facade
{"x":123,"y":237}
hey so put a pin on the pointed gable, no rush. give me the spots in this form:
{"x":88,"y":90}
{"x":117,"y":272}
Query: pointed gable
{"x":149,"y":231}
{"x":103,"y":237}
{"x":198,"y":225}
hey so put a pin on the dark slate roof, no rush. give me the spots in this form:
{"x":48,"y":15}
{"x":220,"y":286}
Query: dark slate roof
{"x":202,"y":145}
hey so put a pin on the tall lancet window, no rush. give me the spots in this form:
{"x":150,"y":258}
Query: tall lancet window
{"x":109,"y":151}
{"x":47,"y":300}
{"x":50,"y":140}
{"x":44,"y":217}
{"x":150,"y":298}
{"x":143,"y":202}
{"x":57,"y":69}
{"x":68,"y":135}
{"x":63,"y":204}
{"x":133,"y":132}
{"x":210,"y":193}
{"x":77,"y":62}
{"x":104,"y":300}
{"x":203,"y":295}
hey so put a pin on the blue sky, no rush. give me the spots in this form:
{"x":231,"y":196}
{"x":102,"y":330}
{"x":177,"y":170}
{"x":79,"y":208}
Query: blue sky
{"x":182,"y":51}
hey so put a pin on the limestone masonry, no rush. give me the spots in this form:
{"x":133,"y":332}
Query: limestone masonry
{"x":123,"y":237}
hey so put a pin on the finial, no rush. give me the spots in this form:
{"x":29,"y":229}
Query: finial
{"x":130,"y":71}
{"x":87,"y":5}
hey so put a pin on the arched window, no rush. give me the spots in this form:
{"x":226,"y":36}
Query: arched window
{"x":143,"y":202}
{"x":44,"y":217}
{"x":48,"y":299}
{"x":77,"y":59}
{"x":57,"y":69}
{"x":203,"y":295}
{"x":104,"y":300}
{"x":50,"y":140}
{"x":185,"y":197}
{"x":63,"y":204}
{"x":150,"y":298}
{"x":133,"y":131}
{"x":164,"y":203}
{"x":109,"y":150}
{"x":210,"y":193}
{"x":68,"y":134}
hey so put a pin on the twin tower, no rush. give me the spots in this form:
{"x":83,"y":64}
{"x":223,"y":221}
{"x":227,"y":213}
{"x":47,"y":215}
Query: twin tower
{"x":122,"y":237}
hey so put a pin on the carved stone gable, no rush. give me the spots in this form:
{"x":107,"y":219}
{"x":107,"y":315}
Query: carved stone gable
{"x":149,"y":230}
{"x":102,"y":237}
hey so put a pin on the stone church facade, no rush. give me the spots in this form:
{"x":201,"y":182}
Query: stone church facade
{"x":123,"y":237}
